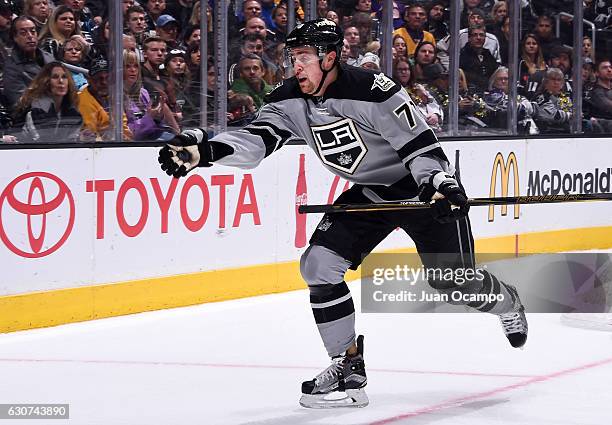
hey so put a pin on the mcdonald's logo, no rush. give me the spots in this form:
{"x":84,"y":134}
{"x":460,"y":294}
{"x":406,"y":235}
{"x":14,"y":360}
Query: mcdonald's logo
{"x":504,"y":168}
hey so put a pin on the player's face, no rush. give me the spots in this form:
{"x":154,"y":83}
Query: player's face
{"x":306,"y":68}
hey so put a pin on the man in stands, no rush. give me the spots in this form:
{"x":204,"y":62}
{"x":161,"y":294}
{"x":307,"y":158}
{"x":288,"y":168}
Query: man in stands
{"x":251,"y":80}
{"x":413,"y":32}
{"x":155,"y":52}
{"x":26,"y":60}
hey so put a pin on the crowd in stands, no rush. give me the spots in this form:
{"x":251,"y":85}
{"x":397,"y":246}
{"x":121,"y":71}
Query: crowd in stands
{"x":55,"y":76}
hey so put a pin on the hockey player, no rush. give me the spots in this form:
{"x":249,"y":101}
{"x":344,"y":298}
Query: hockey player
{"x":364,"y":128}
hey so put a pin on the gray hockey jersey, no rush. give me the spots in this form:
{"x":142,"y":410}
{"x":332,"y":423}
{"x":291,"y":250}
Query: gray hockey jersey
{"x":364,"y":129}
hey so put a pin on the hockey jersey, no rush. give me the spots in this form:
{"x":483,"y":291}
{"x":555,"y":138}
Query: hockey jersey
{"x":364,"y":129}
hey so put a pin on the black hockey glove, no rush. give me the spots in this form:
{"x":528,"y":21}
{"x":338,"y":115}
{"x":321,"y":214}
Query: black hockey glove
{"x":186,"y":151}
{"x":448,"y":201}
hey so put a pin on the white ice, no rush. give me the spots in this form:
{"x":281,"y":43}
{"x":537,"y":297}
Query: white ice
{"x":242,"y":362}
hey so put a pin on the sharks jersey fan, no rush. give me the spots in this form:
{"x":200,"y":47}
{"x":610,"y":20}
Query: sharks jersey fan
{"x":364,"y":128}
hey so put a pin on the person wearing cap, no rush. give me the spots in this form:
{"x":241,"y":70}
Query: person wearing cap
{"x":167,"y":28}
{"x":177,"y":78}
{"x":370,"y":61}
{"x":94,"y":104}
{"x":26,"y":59}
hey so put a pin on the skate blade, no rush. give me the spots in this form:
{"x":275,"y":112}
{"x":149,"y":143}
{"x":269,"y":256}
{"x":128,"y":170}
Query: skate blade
{"x":350,"y":398}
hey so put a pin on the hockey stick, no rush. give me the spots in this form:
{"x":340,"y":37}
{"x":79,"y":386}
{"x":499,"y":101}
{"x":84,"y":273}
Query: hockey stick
{"x":475,"y":202}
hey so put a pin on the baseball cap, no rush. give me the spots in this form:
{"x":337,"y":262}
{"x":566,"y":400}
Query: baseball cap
{"x":99,"y":65}
{"x":164,"y":20}
{"x":557,"y":51}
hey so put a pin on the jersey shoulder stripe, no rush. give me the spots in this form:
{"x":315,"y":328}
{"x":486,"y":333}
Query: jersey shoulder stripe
{"x":362,"y":84}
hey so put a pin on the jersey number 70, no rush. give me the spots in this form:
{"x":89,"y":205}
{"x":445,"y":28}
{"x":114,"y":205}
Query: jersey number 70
{"x":406,"y":110}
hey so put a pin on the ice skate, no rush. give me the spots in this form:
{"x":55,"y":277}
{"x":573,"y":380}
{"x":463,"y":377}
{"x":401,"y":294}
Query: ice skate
{"x":339,"y":385}
{"x":514,"y":323}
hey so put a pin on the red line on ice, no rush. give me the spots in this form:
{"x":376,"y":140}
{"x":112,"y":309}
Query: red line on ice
{"x":455,"y":402}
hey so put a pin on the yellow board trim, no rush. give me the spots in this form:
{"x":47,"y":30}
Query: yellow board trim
{"x":50,"y":308}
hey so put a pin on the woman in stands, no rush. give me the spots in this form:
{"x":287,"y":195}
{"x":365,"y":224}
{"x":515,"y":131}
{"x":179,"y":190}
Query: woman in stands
{"x":60,"y":27}
{"x":38,"y":11}
{"x":400,"y":47}
{"x":48,"y":110}
{"x":73,"y":54}
{"x":532,"y":60}
{"x":147,"y":118}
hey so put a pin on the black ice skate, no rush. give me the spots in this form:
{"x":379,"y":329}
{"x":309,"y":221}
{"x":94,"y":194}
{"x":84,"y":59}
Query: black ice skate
{"x":340,"y":385}
{"x":514,"y":322}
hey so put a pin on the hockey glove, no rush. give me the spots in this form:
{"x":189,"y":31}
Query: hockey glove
{"x":449,"y":201}
{"x":186,"y":151}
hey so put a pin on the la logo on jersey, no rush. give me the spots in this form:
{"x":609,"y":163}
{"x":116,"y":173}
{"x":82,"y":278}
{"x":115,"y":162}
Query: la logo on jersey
{"x":339,"y":145}
{"x":382,"y":82}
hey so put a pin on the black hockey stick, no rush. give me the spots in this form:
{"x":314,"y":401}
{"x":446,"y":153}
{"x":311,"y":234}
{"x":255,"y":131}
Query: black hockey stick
{"x":475,"y":202}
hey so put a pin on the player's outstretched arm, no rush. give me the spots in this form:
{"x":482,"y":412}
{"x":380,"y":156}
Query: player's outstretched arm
{"x":189,"y":150}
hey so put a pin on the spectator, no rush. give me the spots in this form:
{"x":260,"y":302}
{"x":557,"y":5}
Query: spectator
{"x":6,"y":15}
{"x":38,"y":11}
{"x":191,"y":35}
{"x":532,"y":60}
{"x":167,"y":28}
{"x":26,"y":60}
{"x":94,"y":104}
{"x":351,"y":35}
{"x":363,"y":22}
{"x":332,"y":15}
{"x":101,"y":40}
{"x":553,"y":112}
{"x":178,"y":82}
{"x":145,"y":120}
{"x":413,"y":32}
{"x":154,"y":9}
{"x":137,"y":23}
{"x":587,"y":48}
{"x":258,"y":26}
{"x":545,"y":35}
{"x":251,"y":80}
{"x":47,"y":111}
{"x":279,"y":19}
{"x":364,"y":6}
{"x":241,"y":109}
{"x":323,"y":9}
{"x":469,"y":6}
{"x":436,"y":23}
{"x":345,"y":52}
{"x":588,"y":79}
{"x":424,"y":55}
{"x":477,"y":17}
{"x":253,"y":43}
{"x":399,"y":45}
{"x":499,"y":12}
{"x":601,"y":95}
{"x":60,"y":27}
{"x":402,"y":72}
{"x":84,"y":17}
{"x":559,"y":58}
{"x":73,"y":54}
{"x":125,"y":5}
{"x":155,"y":52}
{"x":370,"y":61}
{"x":251,"y":9}
{"x":476,"y":61}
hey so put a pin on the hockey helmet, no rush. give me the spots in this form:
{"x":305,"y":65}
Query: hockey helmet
{"x":323,"y":34}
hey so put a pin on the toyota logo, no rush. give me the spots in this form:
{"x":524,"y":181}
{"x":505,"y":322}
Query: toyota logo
{"x":34,"y":208}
